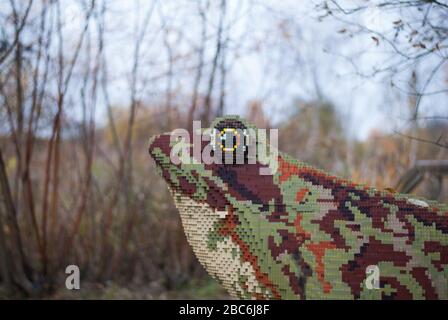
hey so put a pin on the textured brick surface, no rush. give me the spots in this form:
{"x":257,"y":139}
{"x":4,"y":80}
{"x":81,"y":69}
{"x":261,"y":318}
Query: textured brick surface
{"x":302,"y":233}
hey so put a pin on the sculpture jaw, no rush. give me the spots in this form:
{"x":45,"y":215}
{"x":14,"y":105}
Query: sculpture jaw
{"x":223,"y":261}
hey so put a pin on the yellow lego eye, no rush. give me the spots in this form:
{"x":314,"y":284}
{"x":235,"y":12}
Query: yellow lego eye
{"x":229,"y":133}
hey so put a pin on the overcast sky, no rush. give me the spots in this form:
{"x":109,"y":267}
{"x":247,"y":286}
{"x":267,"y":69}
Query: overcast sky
{"x":280,"y":52}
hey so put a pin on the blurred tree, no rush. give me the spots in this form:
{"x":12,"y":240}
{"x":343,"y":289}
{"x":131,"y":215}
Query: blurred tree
{"x":314,"y":133}
{"x":256,"y":115}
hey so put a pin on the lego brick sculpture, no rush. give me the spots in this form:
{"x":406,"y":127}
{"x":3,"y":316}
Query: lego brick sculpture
{"x":299,"y":232}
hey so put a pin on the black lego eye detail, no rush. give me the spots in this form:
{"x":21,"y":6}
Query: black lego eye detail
{"x":230,"y":139}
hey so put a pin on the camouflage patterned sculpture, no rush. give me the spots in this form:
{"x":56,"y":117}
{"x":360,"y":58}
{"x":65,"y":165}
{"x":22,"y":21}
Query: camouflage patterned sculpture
{"x":301,"y":233}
